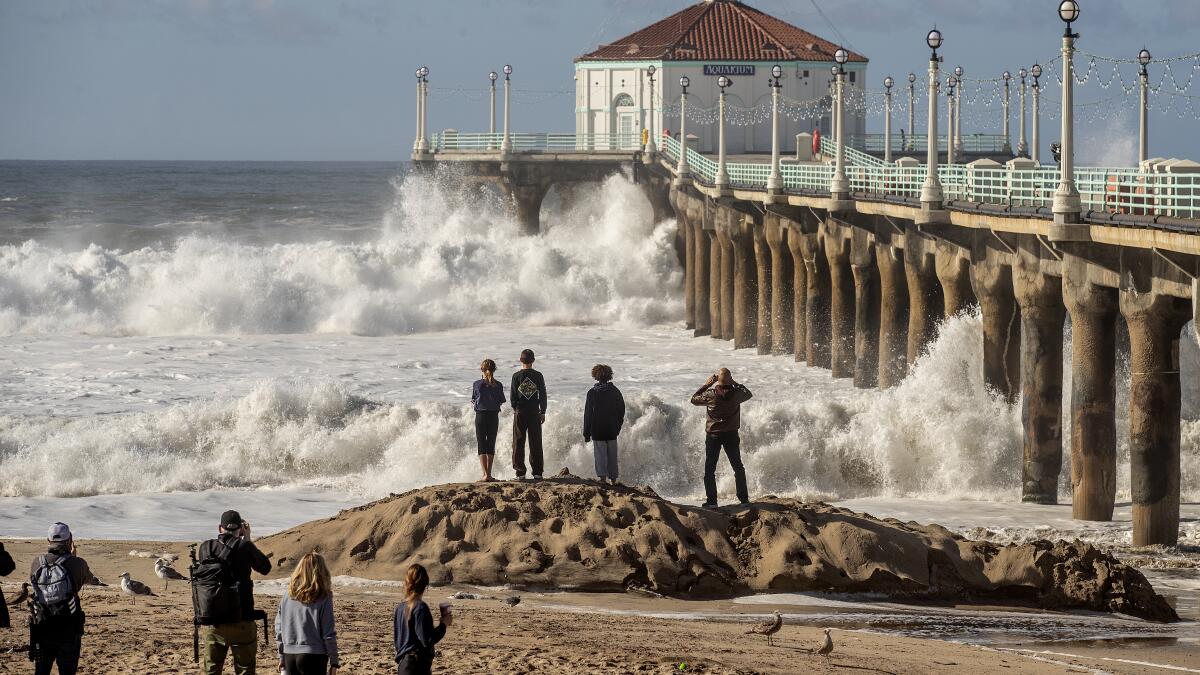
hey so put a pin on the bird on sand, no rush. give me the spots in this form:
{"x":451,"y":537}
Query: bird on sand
{"x":769,"y":628}
{"x":21,"y":596}
{"x":512,"y":600}
{"x":826,"y":646}
{"x":134,"y":587}
{"x":163,"y":569}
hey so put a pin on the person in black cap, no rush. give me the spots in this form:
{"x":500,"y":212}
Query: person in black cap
{"x":528,"y":401}
{"x":239,"y":637}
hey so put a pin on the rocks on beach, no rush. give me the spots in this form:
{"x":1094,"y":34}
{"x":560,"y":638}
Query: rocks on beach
{"x":569,"y":533}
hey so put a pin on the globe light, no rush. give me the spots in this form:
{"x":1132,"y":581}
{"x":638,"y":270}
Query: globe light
{"x":1007,"y":76}
{"x":1068,"y":11}
{"x":1022,"y":72}
{"x":1036,"y":71}
{"x":424,"y":71}
{"x":508,"y":70}
{"x":888,"y":82}
{"x":833,"y":70}
{"x":912,"y":77}
{"x":934,"y":39}
{"x":722,"y":81}
{"x":684,"y":82}
{"x":1144,"y":57}
{"x":652,"y":69}
{"x":958,"y":71}
{"x":776,"y":71}
{"x":492,"y":76}
{"x":841,"y":56}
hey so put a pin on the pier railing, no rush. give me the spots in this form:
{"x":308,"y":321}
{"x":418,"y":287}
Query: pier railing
{"x":983,"y":144}
{"x":547,"y":142}
{"x":1102,"y":189}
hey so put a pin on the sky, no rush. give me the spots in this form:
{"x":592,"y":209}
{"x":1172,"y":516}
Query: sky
{"x":333,"y":79}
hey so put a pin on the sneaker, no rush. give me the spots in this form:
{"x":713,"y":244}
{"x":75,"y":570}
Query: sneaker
{"x":519,"y":478}
{"x":745,"y":502}
{"x":708,"y":505}
{"x":537,"y":477}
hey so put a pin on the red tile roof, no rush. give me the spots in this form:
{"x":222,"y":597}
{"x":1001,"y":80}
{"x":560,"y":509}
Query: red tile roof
{"x":719,"y":30}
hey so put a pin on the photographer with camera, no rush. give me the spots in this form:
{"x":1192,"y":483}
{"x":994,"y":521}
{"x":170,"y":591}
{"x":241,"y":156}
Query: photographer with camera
{"x":724,"y":402}
{"x":223,"y":595}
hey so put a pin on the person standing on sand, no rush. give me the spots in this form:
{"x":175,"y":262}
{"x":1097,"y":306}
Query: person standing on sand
{"x":603,"y":417}
{"x":724,"y":402}
{"x":56,"y":620}
{"x":412,"y":626}
{"x":528,"y":400}
{"x":240,"y":556}
{"x":6,"y":568}
{"x":304,"y":628}
{"x":487,"y":396}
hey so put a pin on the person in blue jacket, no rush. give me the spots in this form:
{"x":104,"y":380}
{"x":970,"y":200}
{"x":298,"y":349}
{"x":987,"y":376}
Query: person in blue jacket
{"x":487,"y":395}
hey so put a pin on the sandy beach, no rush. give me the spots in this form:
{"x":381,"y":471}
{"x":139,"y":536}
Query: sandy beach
{"x":545,"y":633}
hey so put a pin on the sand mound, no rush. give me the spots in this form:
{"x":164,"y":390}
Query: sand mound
{"x":569,"y":533}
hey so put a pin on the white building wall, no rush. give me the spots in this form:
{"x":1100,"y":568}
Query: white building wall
{"x":600,"y":83}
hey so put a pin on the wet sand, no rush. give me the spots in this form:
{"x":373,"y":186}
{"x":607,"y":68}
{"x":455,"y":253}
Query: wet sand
{"x":545,"y":633}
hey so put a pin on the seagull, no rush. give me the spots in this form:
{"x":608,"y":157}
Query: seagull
{"x":512,"y":600}
{"x":133,"y":587}
{"x":826,"y":646}
{"x":22,"y":596}
{"x":167,"y":573}
{"x":769,"y":628}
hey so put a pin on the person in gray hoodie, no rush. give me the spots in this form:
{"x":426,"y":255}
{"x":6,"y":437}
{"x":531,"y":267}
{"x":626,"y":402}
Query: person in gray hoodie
{"x":304,"y":626}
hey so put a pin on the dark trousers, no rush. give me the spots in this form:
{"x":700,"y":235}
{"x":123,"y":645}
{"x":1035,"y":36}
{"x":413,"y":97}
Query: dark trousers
{"x":487,"y":422}
{"x":63,"y":651}
{"x":527,"y":422}
{"x":413,"y":663}
{"x":305,"y":664}
{"x":732,"y":443}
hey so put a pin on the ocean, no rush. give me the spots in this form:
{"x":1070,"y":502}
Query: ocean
{"x":289,"y":339}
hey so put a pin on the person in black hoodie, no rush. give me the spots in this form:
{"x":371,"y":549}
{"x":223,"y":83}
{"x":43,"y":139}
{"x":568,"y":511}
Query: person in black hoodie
{"x":603,"y":417}
{"x":528,"y":401}
{"x":6,"y":568}
{"x":238,"y":638}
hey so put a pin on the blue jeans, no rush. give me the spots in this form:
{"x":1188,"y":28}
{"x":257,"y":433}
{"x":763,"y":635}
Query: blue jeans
{"x":606,"y":458}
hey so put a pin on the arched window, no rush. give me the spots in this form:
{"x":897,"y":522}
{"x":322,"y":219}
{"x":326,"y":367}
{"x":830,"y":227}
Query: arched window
{"x":623,"y":101}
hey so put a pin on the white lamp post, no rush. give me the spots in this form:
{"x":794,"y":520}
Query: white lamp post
{"x":833,"y":121}
{"x":648,"y":148}
{"x":949,"y":120}
{"x":682,"y":170}
{"x":1007,"y":139}
{"x":839,"y":188}
{"x":912,"y":110}
{"x":1035,"y":138}
{"x":1144,"y":82}
{"x":506,"y":142}
{"x":775,"y":179}
{"x":1067,"y":205}
{"x":1022,"y":146}
{"x":492,"y":126}
{"x":722,"y":179}
{"x":887,"y":118}
{"x":931,"y":191}
{"x":420,"y":111}
{"x":958,"y":89}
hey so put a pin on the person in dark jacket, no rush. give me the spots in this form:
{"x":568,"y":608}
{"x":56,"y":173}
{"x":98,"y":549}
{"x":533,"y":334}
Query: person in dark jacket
{"x":724,"y":403}
{"x":528,"y":400}
{"x":487,"y":395}
{"x":6,"y":568}
{"x":59,"y":640}
{"x":603,"y":417}
{"x":239,"y":637}
{"x":412,"y":627}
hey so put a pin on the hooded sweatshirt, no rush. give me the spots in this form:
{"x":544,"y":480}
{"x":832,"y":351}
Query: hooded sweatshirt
{"x":603,"y":412}
{"x":724,"y":403}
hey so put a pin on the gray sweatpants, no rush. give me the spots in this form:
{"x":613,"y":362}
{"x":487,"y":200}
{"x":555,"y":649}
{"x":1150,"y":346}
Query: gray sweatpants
{"x":606,"y":458}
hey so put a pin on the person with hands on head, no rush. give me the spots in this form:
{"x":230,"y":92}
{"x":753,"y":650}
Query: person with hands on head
{"x":723,"y":397}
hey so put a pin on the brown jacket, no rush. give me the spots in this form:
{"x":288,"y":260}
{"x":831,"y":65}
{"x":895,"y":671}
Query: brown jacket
{"x":724,"y":406}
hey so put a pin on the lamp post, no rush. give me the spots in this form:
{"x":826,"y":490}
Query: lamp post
{"x":1066,"y":206}
{"x":1035,"y":139}
{"x":420,"y":111}
{"x":912,"y":109}
{"x":949,"y":120}
{"x":931,"y":191}
{"x":958,"y":89}
{"x":1007,"y":139}
{"x":833,"y":93}
{"x":682,"y":170}
{"x":722,"y":179}
{"x":1022,"y":147}
{"x":1144,"y":100}
{"x":887,"y":118}
{"x":839,"y":188}
{"x":775,"y":179}
{"x":423,"y":98}
{"x":492,"y":126}
{"x":648,"y":147}
{"x":506,"y":142}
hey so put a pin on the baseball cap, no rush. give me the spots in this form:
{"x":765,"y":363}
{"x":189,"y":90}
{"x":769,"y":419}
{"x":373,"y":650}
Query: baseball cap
{"x":59,"y":532}
{"x":231,"y":520}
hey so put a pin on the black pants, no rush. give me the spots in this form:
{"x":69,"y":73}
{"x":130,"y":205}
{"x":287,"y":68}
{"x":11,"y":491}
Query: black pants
{"x":63,"y":651}
{"x":305,"y":664}
{"x":527,"y":422}
{"x":413,"y":663}
{"x":732,"y":443}
{"x":487,"y":422}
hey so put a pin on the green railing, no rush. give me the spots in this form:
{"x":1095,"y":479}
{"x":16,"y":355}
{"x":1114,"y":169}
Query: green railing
{"x":453,"y":140}
{"x":853,"y":156}
{"x":989,"y":144}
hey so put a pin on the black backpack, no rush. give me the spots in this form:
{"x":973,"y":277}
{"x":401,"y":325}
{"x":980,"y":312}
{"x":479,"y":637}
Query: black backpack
{"x":216,"y":593}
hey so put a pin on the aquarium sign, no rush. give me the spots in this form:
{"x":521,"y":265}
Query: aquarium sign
{"x":727,"y":70}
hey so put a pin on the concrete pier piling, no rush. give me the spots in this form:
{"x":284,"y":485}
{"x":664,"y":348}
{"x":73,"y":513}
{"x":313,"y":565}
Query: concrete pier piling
{"x":954,"y":274}
{"x":688,"y":228}
{"x":715,"y":270}
{"x":841,"y":302}
{"x":867,"y":311}
{"x":893,"y":315}
{"x":783,"y":292}
{"x":799,"y":293}
{"x":1093,"y":310}
{"x":925,"y":305}
{"x":727,"y":276}
{"x":1155,"y":322}
{"x":745,"y":283}
{"x":699,"y":272}
{"x":817,"y":302}
{"x":764,"y":283}
{"x":1042,"y":316}
{"x":993,"y":285}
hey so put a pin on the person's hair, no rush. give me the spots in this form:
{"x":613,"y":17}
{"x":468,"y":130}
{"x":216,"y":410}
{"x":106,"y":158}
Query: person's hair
{"x":310,"y":580}
{"x":526,"y":356}
{"x":724,"y":376}
{"x":416,"y":580}
{"x":601,"y":373}
{"x":489,"y":371}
